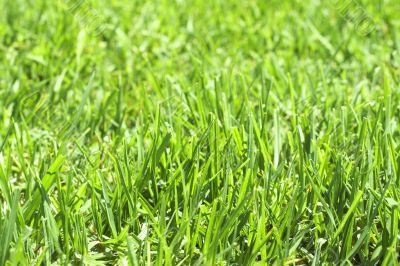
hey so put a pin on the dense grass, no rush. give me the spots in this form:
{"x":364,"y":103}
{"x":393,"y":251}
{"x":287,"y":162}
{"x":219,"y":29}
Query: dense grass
{"x":197,"y":132}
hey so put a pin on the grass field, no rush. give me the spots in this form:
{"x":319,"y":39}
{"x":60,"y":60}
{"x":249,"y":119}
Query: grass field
{"x":199,"y":132}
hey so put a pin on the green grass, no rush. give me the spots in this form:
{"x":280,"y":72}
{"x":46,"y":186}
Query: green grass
{"x":199,"y":133}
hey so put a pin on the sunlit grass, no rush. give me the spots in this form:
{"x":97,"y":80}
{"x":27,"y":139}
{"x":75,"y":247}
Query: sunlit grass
{"x":199,"y":133}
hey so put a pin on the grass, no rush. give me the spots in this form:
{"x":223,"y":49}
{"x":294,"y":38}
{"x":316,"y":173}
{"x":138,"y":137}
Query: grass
{"x":199,"y":133}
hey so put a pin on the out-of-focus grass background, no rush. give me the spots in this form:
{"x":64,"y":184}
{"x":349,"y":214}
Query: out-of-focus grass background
{"x":195,"y":132}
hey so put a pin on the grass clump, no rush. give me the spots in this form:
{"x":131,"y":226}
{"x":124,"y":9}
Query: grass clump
{"x":196,"y":133}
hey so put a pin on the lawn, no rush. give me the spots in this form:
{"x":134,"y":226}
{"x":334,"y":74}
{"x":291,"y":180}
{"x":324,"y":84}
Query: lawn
{"x":194,"y":132}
